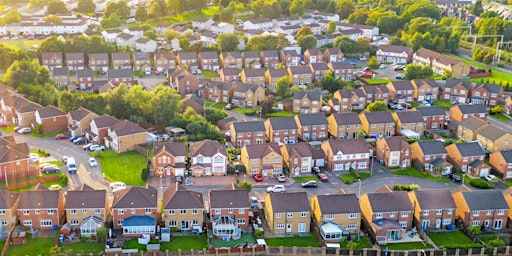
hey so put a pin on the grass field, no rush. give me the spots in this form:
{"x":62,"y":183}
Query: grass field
{"x":452,"y":239}
{"x":349,"y":178}
{"x":185,"y":243}
{"x":305,"y":178}
{"x":299,"y":241}
{"x":501,"y":117}
{"x":405,"y":246}
{"x":21,"y":44}
{"x":189,"y":16}
{"x":377,"y":80}
{"x":209,"y":74}
{"x":415,"y":173}
{"x":83,"y":248}
{"x":281,"y":113}
{"x":232,"y":243}
{"x":219,"y":105}
{"x":497,"y":76}
{"x":126,"y":167}
{"x":246,"y":111}
{"x":134,"y":244}
{"x":443,"y":103}
{"x":363,"y":243}
{"x":33,"y":246}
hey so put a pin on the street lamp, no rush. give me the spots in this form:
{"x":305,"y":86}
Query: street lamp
{"x":359,"y":193}
{"x":463,"y":175}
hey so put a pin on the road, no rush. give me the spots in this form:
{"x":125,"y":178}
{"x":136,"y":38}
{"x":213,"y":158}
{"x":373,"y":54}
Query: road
{"x":505,"y":125}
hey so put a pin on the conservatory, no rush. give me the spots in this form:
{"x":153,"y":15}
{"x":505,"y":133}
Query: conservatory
{"x":225,"y":227}
{"x":330,"y":231}
{"x":90,"y":225}
{"x":138,"y":225}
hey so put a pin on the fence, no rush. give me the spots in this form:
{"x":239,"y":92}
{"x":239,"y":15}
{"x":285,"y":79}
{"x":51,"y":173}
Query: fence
{"x":32,"y":182}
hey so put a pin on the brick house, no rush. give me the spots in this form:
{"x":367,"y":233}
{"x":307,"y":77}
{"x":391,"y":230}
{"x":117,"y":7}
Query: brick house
{"x":207,"y":158}
{"x":501,"y":161}
{"x":229,"y":212}
{"x":86,"y":209}
{"x":186,"y":84}
{"x":164,"y":61}
{"x":272,"y":75}
{"x":125,"y":136}
{"x":118,"y":76}
{"x":394,"y":53}
{"x":290,"y":58}
{"x":312,"y":127}
{"x":394,"y":152}
{"x":408,"y":120}
{"x":228,"y":74}
{"x":142,"y":62}
{"x":433,"y":208}
{"x":121,"y":60}
{"x":134,"y":210}
{"x":23,"y":111}
{"x":470,"y":127}
{"x":194,"y":102}
{"x":61,"y":77}
{"x":84,"y":78}
{"x":333,"y":55}
{"x":79,"y":120}
{"x":348,"y":100}
{"x":486,"y":209}
{"x":401,"y":91}
{"x":265,"y":159}
{"x":52,"y":60}
{"x":434,"y":117}
{"x":251,"y":59}
{"x":425,"y":89}
{"x":344,"y":125}
{"x":247,"y":133}
{"x":187,"y":60}
{"x":231,"y":60}
{"x":313,"y":55}
{"x":424,"y":57}
{"x":376,"y":92}
{"x":305,"y":102}
{"x":252,"y":76}
{"x":457,"y":91}
{"x":337,"y":153}
{"x":298,"y":158}
{"x":8,"y":208}
{"x":288,"y":213}
{"x":220,"y":92}
{"x":99,"y":128}
{"x":487,"y":94}
{"x":269,"y":58}
{"x":98,"y":62}
{"x":75,"y":61}
{"x":493,"y":138}
{"x":182,"y":209}
{"x":169,"y":159}
{"x":342,"y":210}
{"x":209,"y":61}
{"x":248,"y":95}
{"x":377,"y":124}
{"x":342,"y":70}
{"x":469,"y":156}
{"x":429,"y":154}
{"x":15,"y":160}
{"x":40,"y":208}
{"x":458,"y":68}
{"x":52,"y":119}
{"x":281,"y":130}
{"x":318,"y":70}
{"x":463,"y":111}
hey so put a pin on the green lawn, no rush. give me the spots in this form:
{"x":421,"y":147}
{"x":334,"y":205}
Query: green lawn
{"x":218,"y":243}
{"x":497,"y":76}
{"x":189,"y":16}
{"x":126,"y":167}
{"x":246,"y":111}
{"x":349,"y":178}
{"x":487,"y":239}
{"x":452,"y":239}
{"x":299,"y":241}
{"x":436,"y":76}
{"x":405,"y":246}
{"x":219,"y":105}
{"x":443,"y":103}
{"x":415,"y":173}
{"x":83,"y":248}
{"x":134,"y":244}
{"x":185,"y":243}
{"x":377,"y":80}
{"x":501,"y":117}
{"x":21,"y":44}
{"x":305,"y":178}
{"x":44,"y":135}
{"x":33,"y":246}
{"x":363,"y":243}
{"x":7,"y":129}
{"x":209,"y":74}
{"x":63,"y":181}
{"x":414,"y":104}
{"x":281,"y":113}
{"x":57,"y":163}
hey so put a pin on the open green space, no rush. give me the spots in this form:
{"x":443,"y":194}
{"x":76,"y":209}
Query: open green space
{"x":299,"y":241}
{"x":32,"y":246}
{"x":405,"y":246}
{"x":420,"y":174}
{"x":281,"y":113}
{"x":305,"y":178}
{"x":377,"y":80}
{"x":501,"y":117}
{"x":209,"y":74}
{"x":185,"y":243}
{"x":218,"y":243}
{"x":22,"y":44}
{"x":487,"y":239}
{"x":63,"y":181}
{"x":443,"y":103}
{"x":497,"y":76}
{"x":349,"y":178}
{"x":246,"y":111}
{"x":189,"y":16}
{"x":134,"y":244}
{"x":219,"y":105}
{"x":126,"y":167}
{"x":414,"y":104}
{"x":83,"y":248}
{"x":364,"y":242}
{"x":452,"y":239}
{"x":44,"y":135}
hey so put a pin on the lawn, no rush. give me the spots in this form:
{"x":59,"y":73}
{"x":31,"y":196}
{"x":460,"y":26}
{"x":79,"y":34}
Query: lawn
{"x":126,"y":167}
{"x":209,"y":74}
{"x":218,"y":243}
{"x":443,"y":103}
{"x":299,"y":241}
{"x":349,"y":178}
{"x":8,"y":128}
{"x":501,"y":117}
{"x":21,"y":44}
{"x":305,"y":178}
{"x":44,"y":135}
{"x":83,"y":248}
{"x":497,"y":76}
{"x":189,"y":16}
{"x":134,"y":244}
{"x":363,"y":243}
{"x":487,"y":239}
{"x":452,"y":239}
{"x":246,"y":111}
{"x":415,"y":173}
{"x":281,"y":113}
{"x":63,"y":181}
{"x":185,"y":243}
{"x":219,"y":105}
{"x":377,"y":80}
{"x":404,"y":246}
{"x":33,"y":246}
{"x":414,"y":104}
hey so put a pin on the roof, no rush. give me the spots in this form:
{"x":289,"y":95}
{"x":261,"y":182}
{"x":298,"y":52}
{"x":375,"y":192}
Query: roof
{"x":426,"y":53}
{"x":395,"y":143}
{"x":431,"y":111}
{"x":346,"y":118}
{"x":312,"y":96}
{"x":251,"y":54}
{"x":452,"y":82}
{"x":282,"y":123}
{"x":86,"y":72}
{"x":253,"y":72}
{"x":135,"y":197}
{"x":236,"y":55}
{"x":492,"y":132}
{"x":409,"y":116}
{"x":469,"y":149}
{"x":507,"y":155}
{"x":491,"y":88}
{"x":119,"y":73}
{"x":253,"y":126}
{"x":277,"y":72}
{"x":303,"y":149}
{"x":378,"y":117}
{"x":338,"y":203}
{"x":50,"y":111}
{"x":472,"y":123}
{"x":395,"y":48}
{"x":351,"y":146}
{"x":476,"y":163}
{"x":74,"y":56}
{"x":187,"y":55}
{"x":207,"y":148}
{"x":229,"y":72}
{"x":380,"y":202}
{"x":120,"y":56}
{"x":261,"y":150}
{"x":7,"y":199}
{"x":87,"y":198}
{"x":311,"y":119}
{"x":39,"y":199}
{"x":317,"y":153}
{"x":98,"y":56}
{"x":300,"y":69}
{"x":401,"y":85}
{"x":289,"y":202}
{"x":270,"y":53}
{"x":176,"y":197}
{"x":60,"y":71}
{"x":104,"y":121}
{"x":435,"y":199}
{"x":126,"y":127}
{"x":485,"y":200}
{"x":173,"y":148}
{"x":447,"y":60}
{"x":80,"y":113}
{"x":471,"y":108}
{"x":209,"y":55}
{"x":12,"y":151}
{"x":228,"y":199}
{"x":432,"y":147}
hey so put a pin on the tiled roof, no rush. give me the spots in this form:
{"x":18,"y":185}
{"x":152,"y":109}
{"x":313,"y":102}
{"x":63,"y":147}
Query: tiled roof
{"x":492,"y":132}
{"x":471,"y":108}
{"x":136,"y":197}
{"x":492,"y":88}
{"x":338,"y":204}
{"x":209,"y":55}
{"x":289,"y":202}
{"x":119,"y":73}
{"x":253,"y":126}
{"x":50,"y":111}
{"x":303,"y":149}
{"x":80,"y":199}
{"x":253,"y":72}
{"x":80,"y":113}
{"x":453,"y":82}
{"x":311,"y":119}
{"x":507,"y":155}
{"x":126,"y":127}
{"x":395,"y":143}
{"x":86,"y":72}
{"x":60,"y":71}
{"x":282,"y":123}
{"x":409,"y":116}
{"x":279,"y":72}
{"x":432,"y":147}
{"x":207,"y":148}
{"x":485,"y":200}
{"x":261,"y":150}
{"x":39,"y":199}
{"x":104,"y":121}
{"x":431,"y":111}
{"x":120,"y":56}
{"x":472,"y":123}
{"x":378,"y":117}
{"x":312,"y":96}
{"x":346,"y":118}
{"x":433,"y":199}
{"x":426,"y":53}
{"x":74,"y":56}
{"x":469,"y":149}
{"x":395,"y":48}
{"x":177,"y":197}
{"x":7,"y":199}
{"x":401,"y":85}
{"x":229,"y":199}
{"x":352,"y":146}
{"x":173,"y":148}
{"x":187,"y":55}
{"x":12,"y":151}
{"x":380,"y":202}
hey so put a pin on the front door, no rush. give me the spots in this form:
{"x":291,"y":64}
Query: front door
{"x":184,"y":225}
{"x":168,"y":172}
{"x":296,"y":171}
{"x":208,"y":172}
{"x":438,"y":223}
{"x":497,"y":224}
{"x":425,"y":224}
{"x":302,"y":227}
{"x":264,"y":173}
{"x":405,"y":163}
{"x":288,"y":228}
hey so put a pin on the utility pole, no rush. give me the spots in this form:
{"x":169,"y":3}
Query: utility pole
{"x":486,"y":36}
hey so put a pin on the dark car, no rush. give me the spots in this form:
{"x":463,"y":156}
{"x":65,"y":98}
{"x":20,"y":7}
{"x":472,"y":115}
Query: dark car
{"x":454,"y":177}
{"x":179,"y":179}
{"x":258,"y":177}
{"x":81,"y":140}
{"x":322,"y":176}
{"x":309,"y":184}
{"x":50,"y":169}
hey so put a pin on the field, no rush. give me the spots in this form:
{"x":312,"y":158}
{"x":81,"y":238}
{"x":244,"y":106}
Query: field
{"x":126,"y":167}
{"x":497,"y":77}
{"x":22,"y":44}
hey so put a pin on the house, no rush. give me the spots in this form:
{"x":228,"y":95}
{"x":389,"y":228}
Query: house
{"x":298,"y":158}
{"x":348,"y":100}
{"x":408,"y":120}
{"x":312,"y":127}
{"x":23,"y":111}
{"x":194,"y":102}
{"x":314,"y":55}
{"x":229,"y":212}
{"x":288,"y":213}
{"x":8,"y":208}
{"x":182,"y":209}
{"x":60,"y":76}
{"x":430,"y":154}
{"x":134,"y":210}
{"x":318,"y":70}
{"x":345,"y":125}
{"x":394,"y":53}
{"x":343,"y":155}
{"x":187,"y":60}
{"x":376,"y":92}
{"x":209,"y":61}
{"x":501,"y":161}
{"x":394,"y":152}
{"x":493,"y":138}
{"x":290,"y":58}
{"x":79,"y":120}
{"x":86,"y":209}
{"x":433,"y":208}
{"x":468,"y":156}
{"x":51,"y":119}
{"x":485,"y":209}
{"x":377,"y":124}
{"x":470,"y":127}
{"x":52,"y":60}
{"x":252,"y":76}
{"x":164,"y":61}
{"x":487,"y":94}
{"x":424,"y":57}
{"x":251,"y":59}
{"x":98,"y":62}
{"x":248,"y":95}
{"x":456,"y":67}
{"x":118,"y":76}
{"x":99,"y":128}
{"x":142,"y":62}
{"x":259,"y":24}
{"x":125,"y":136}
{"x":336,"y":213}
{"x":220,"y":91}
{"x":121,"y":60}
{"x":333,"y":55}
{"x":508,"y":104}
{"x":387,"y":222}
{"x":14,"y":159}
{"x":434,"y":117}
{"x":462,"y":111}
{"x":247,"y":133}
{"x":75,"y":61}
{"x":457,"y":91}
{"x":84,"y":78}
{"x":228,"y":75}
{"x":225,"y":124}
{"x":208,"y":158}
{"x":342,"y":70}
{"x":40,"y":208}
{"x":144,"y":44}
{"x":305,"y":102}
{"x":425,"y":89}
{"x":169,"y":159}
{"x":269,"y":58}
{"x":265,"y":159}
{"x":186,"y":84}
{"x":125,"y":39}
{"x":281,"y":130}
{"x":401,"y":91}
{"x":272,"y":75}
{"x":202,"y":23}
{"x":231,"y":60}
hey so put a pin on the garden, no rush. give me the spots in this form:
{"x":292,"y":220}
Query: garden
{"x":452,"y":239}
{"x":125,"y":167}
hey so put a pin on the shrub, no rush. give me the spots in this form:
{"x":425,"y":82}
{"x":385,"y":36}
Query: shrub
{"x":145,"y":174}
{"x":475,"y":230}
{"x":478,"y":183}
{"x":352,"y":245}
{"x":496,"y":242}
{"x":101,"y":234}
{"x":401,"y":187}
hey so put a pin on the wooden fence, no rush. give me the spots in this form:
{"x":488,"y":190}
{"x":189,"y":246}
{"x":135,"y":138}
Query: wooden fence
{"x":32,"y":182}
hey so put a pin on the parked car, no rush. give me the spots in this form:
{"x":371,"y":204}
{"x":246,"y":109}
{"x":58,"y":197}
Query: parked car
{"x":86,"y":147}
{"x":64,"y":159}
{"x":258,"y":177}
{"x":81,"y":140}
{"x":490,"y":177}
{"x":96,"y":147}
{"x":228,"y":106}
{"x":399,"y":107}
{"x":25,"y":130}
{"x":316,"y":170}
{"x":353,"y":62}
{"x":179,"y":179}
{"x":73,"y":138}
{"x":363,"y":58}
{"x":281,"y":178}
{"x":93,"y":162}
{"x":309,"y":184}
{"x":4,"y":123}
{"x":322,"y":176}
{"x":383,"y":66}
{"x":400,"y":77}
{"x":454,"y":177}
{"x":55,"y":187}
{"x":61,"y":136}
{"x":51,"y":169}
{"x":116,"y":186}
{"x":426,"y":103}
{"x":407,"y":105}
{"x":398,"y":67}
{"x":276,"y":189}
{"x":34,"y":157}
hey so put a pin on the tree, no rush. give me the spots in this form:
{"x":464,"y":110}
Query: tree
{"x":120,"y":8}
{"x":170,"y":34}
{"x":373,"y":63}
{"x":157,"y":8}
{"x":113,"y":21}
{"x":26,"y":71}
{"x":184,"y":43}
{"x":65,"y":101}
{"x":296,"y":9}
{"x":227,"y":42}
{"x":151,"y":34}
{"x":346,"y":44}
{"x":101,"y":234}
{"x":141,"y":14}
{"x":331,"y":27}
{"x":197,"y":5}
{"x":267,"y":42}
{"x":329,"y":82}
{"x":118,"y":105}
{"x":497,"y":109}
{"x":345,"y":8}
{"x":266,"y":104}
{"x":164,"y":105}
{"x":377,"y":106}
{"x":390,"y":24}
{"x":307,"y":42}
{"x":57,"y":6}
{"x":282,"y":86}
{"x":477,"y":8}
{"x":226,"y":15}
{"x":359,"y":16}
{"x":176,"y":6}
{"x":214,"y":116}
{"x":245,"y":185}
{"x":53,"y":19}
{"x":11,"y":17}
{"x":86,"y":6}
{"x":304,"y":30}
{"x":414,"y":71}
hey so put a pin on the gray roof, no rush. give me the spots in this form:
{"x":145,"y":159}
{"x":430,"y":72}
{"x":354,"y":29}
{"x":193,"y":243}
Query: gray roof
{"x":469,"y":149}
{"x":380,"y":202}
{"x":173,"y":148}
{"x":80,"y":113}
{"x":270,"y":53}
{"x":176,"y":197}
{"x":402,"y":85}
{"x":435,"y":199}
{"x":507,"y":155}
{"x":60,"y":71}
{"x":104,"y":121}
{"x":311,"y":119}
{"x":338,"y":203}
{"x":261,"y":150}
{"x":452,"y":82}
{"x":207,"y":148}
{"x":187,"y":55}
{"x":86,"y":72}
{"x":209,"y":55}
{"x":282,"y":123}
{"x":313,"y":96}
{"x":378,"y":117}
{"x":253,"y":126}
{"x":87,"y":198}
{"x":492,"y":132}
{"x":119,"y":73}
{"x":136,"y":197}
{"x":492,"y":88}
{"x":351,"y":146}
{"x":300,"y":70}
{"x":226,"y":199}
{"x":485,"y":200}
{"x":346,"y":118}
{"x":409,"y":116}
{"x":472,"y":123}
{"x":476,"y":163}
{"x":120,"y":56}
{"x":432,"y":147}
{"x":279,"y":72}
{"x":39,"y":199}
{"x":471,"y":108}
{"x":241,"y":87}
{"x":7,"y":199}
{"x":431,"y":111}
{"x":251,"y":54}
{"x":303,"y":149}
{"x":50,"y":111}
{"x":289,"y":202}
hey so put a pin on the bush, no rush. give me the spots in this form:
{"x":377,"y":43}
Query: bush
{"x":475,"y":230}
{"x":479,"y":183}
{"x":496,"y":242}
{"x":145,"y":174}
{"x":401,"y":187}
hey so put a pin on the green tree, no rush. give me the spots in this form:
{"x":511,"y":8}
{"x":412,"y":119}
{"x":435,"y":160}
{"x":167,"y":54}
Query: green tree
{"x":346,"y":44}
{"x":389,"y":24}
{"x":184,"y":43}
{"x":497,"y":109}
{"x":151,"y":34}
{"x":214,"y":116}
{"x":141,"y":14}
{"x":226,"y":14}
{"x":54,"y":19}
{"x":245,"y":185}
{"x":266,"y":104}
{"x":157,"y":8}
{"x":101,"y":234}
{"x":477,"y":8}
{"x":331,"y":27}
{"x":120,"y":8}
{"x":28,"y":72}
{"x":170,"y":34}
{"x":488,"y":58}
{"x":359,"y":16}
{"x":227,"y":42}
{"x":414,"y":71}
{"x":86,"y":6}
{"x":453,"y":42}
{"x":304,"y":30}
{"x":66,"y":102}
{"x":267,"y":42}
{"x":197,"y":5}
{"x":344,"y":8}
{"x":282,"y":86}
{"x":176,"y":6}
{"x":373,"y":63}
{"x":296,"y":9}
{"x":377,"y":106}
{"x":56,"y":6}
{"x":329,"y":82}
{"x":11,"y":17}
{"x":113,"y":21}
{"x":164,"y":105}
{"x":307,"y":42}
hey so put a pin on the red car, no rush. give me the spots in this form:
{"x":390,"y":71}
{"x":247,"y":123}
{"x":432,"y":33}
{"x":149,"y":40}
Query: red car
{"x":323,"y":177}
{"x":258,"y":177}
{"x":61,"y":136}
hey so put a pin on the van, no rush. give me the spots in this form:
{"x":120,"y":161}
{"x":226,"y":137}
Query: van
{"x":71,"y":164}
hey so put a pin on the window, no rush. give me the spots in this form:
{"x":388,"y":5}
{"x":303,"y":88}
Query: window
{"x":476,"y":213}
{"x":425,"y":212}
{"x":439,"y":211}
{"x":74,"y":222}
{"x":38,"y":211}
{"x":303,"y":214}
{"x":450,"y":211}
{"x":230,"y":210}
{"x":280,"y":226}
{"x":488,"y":212}
{"x":120,"y":211}
{"x":404,"y":214}
{"x":97,"y":211}
{"x":378,"y":215}
{"x":240,"y":221}
{"x":171,"y":212}
{"x":132,"y":211}
{"x":447,"y":221}
{"x":501,"y":212}
{"x":217,"y":211}
{"x":329,"y":216}
{"x":351,"y":226}
{"x":289,"y":215}
{"x":241,"y":211}
{"x":277,"y":160}
{"x":194,"y":211}
{"x":84,"y":210}
{"x":392,"y":214}
{"x":352,"y":215}
{"x":73,"y":211}
{"x":46,"y":223}
{"x":403,"y":224}
{"x":475,"y":223}
{"x":195,"y":222}
{"x":173,"y":223}
{"x":4,"y":223}
{"x":26,"y":212}
{"x":182,"y":212}
{"x":27,"y":223}
{"x":2,"y":212}
{"x":278,"y":215}
{"x":148,"y":211}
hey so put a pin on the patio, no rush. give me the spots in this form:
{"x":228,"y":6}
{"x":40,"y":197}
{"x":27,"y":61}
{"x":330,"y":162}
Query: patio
{"x":244,"y":238}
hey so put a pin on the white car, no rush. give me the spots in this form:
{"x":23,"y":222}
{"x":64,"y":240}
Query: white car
{"x":490,"y":177}
{"x":116,"y":186}
{"x":96,"y":147}
{"x":93,"y":162}
{"x":276,"y":189}
{"x":34,"y":157}
{"x":25,"y":130}
{"x":426,"y":103}
{"x":86,"y":147}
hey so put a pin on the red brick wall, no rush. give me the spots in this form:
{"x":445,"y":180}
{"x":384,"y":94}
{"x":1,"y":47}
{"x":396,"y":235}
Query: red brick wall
{"x":57,"y":124}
